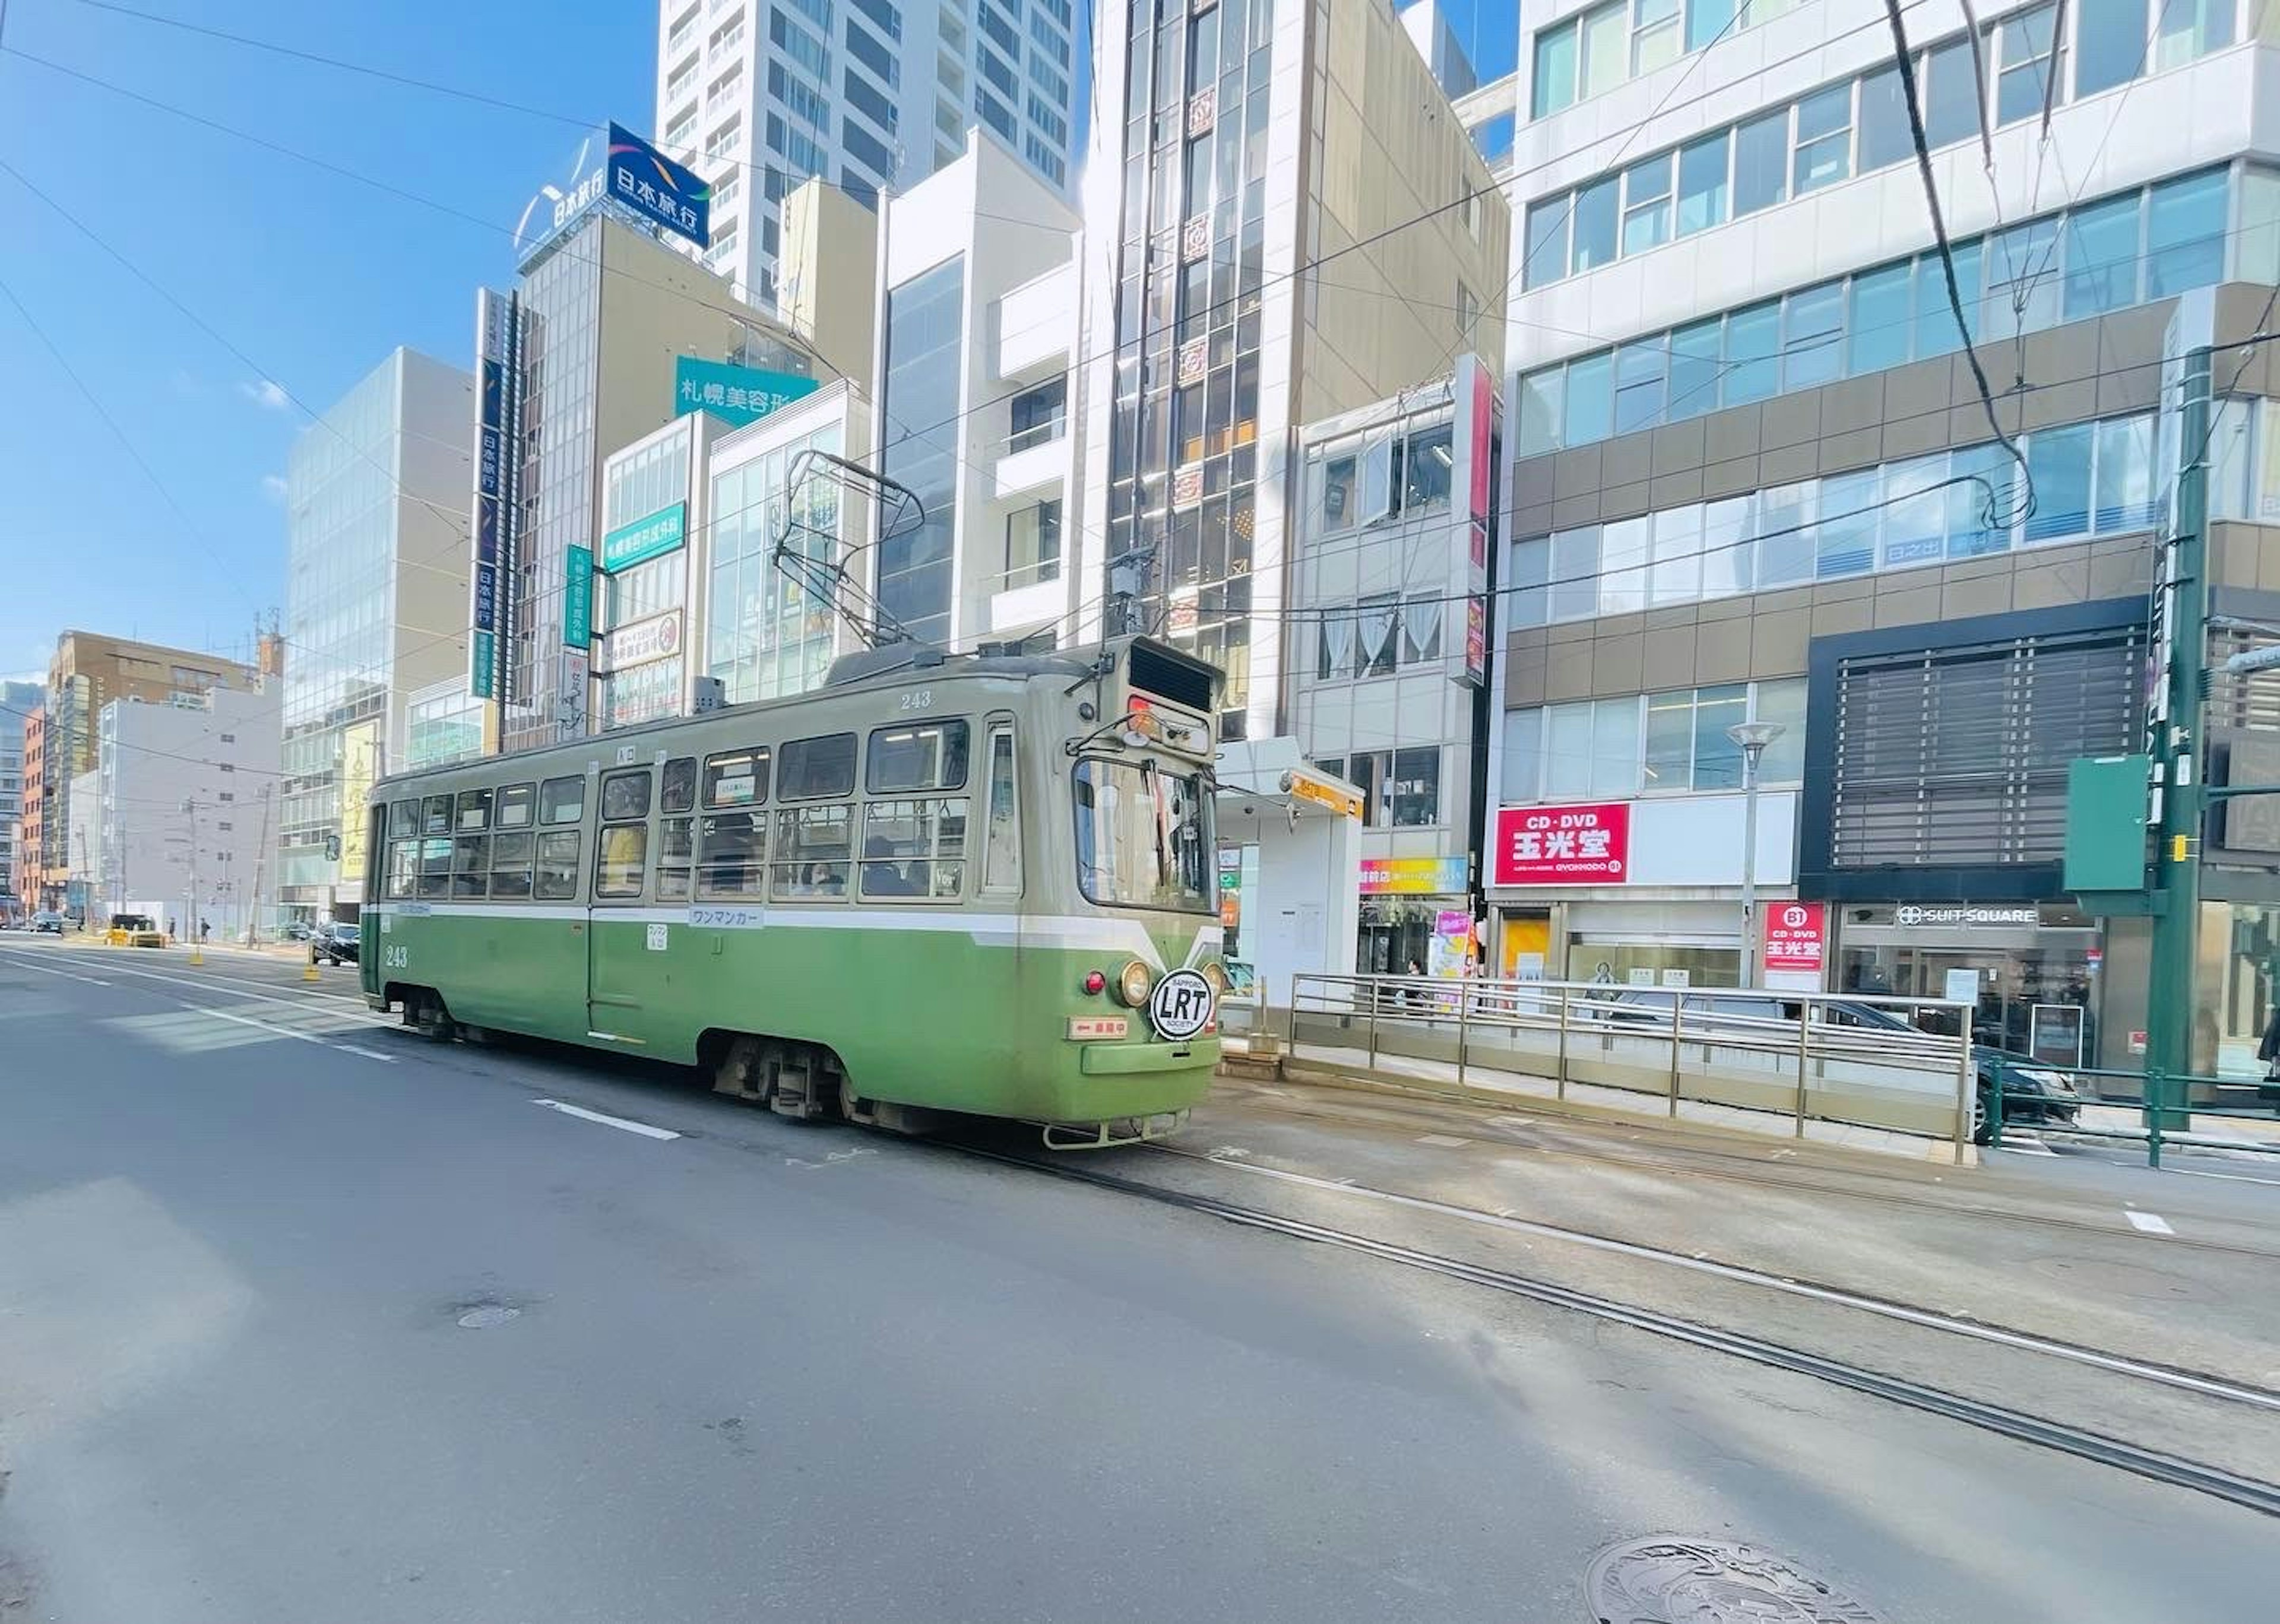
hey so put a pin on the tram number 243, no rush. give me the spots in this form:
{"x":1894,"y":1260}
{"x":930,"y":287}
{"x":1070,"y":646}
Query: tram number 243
{"x":915,"y":699}
{"x":392,"y":957}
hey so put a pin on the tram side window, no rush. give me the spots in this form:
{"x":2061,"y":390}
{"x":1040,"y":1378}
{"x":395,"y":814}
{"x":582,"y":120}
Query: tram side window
{"x":928,"y":756}
{"x":475,"y":810}
{"x":558,"y":866}
{"x":439,"y":815}
{"x":815,"y":769}
{"x":510,"y":860}
{"x":1001,"y":854}
{"x":812,"y":848}
{"x":736,"y":778}
{"x":562,"y":800}
{"x":676,"y":837}
{"x":516,"y":803}
{"x":403,"y":868}
{"x":735,"y":856}
{"x":436,"y":863}
{"x":403,"y":820}
{"x":471,"y":866}
{"x":678,"y":791}
{"x":622,"y":857}
{"x":915,"y":849}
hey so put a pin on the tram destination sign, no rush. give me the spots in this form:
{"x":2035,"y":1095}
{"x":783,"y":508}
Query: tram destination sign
{"x":1914,"y":915}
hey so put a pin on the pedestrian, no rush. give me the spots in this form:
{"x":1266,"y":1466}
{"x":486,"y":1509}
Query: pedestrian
{"x":170,"y":930}
{"x":2268,"y":1051}
{"x":205,"y":932}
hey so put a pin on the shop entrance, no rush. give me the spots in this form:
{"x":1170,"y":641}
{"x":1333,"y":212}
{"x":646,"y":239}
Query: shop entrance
{"x":2032,"y":997}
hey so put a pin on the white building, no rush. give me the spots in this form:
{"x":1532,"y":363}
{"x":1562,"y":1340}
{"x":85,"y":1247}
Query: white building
{"x":189,"y":793}
{"x":376,"y":607}
{"x":869,"y":95}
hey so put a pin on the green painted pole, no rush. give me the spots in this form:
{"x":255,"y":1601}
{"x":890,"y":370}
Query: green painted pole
{"x":2177,"y":850}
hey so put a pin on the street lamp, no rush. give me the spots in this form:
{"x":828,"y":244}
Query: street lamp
{"x":1753,"y":738}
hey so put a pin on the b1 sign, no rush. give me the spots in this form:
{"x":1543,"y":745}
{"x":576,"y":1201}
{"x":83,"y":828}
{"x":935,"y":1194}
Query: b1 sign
{"x":1796,"y":936}
{"x":1587,"y":844}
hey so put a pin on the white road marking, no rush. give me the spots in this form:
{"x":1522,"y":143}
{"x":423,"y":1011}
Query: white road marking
{"x":1782,"y":1284}
{"x":2150,"y":1223}
{"x":304,"y":1037}
{"x":68,"y":975}
{"x":2026,"y":1147}
{"x":1447,"y":1142}
{"x":354,"y":1017}
{"x":1510,"y":1121}
{"x":2236,"y":1178}
{"x":643,"y":1128}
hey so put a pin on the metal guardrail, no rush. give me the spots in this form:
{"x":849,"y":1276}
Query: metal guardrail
{"x":1845,"y":1059}
{"x":2167,"y":1106}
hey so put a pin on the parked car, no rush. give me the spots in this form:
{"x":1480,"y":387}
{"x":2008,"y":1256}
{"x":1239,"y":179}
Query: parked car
{"x":2034,"y":1091}
{"x":48,"y":924}
{"x":135,"y":931}
{"x":333,"y":944}
{"x":299,"y":930}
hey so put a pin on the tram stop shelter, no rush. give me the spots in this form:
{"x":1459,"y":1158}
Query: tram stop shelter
{"x":1291,"y":837}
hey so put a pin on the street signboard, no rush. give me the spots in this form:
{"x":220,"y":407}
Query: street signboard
{"x":1796,"y":936}
{"x":1578,"y":844}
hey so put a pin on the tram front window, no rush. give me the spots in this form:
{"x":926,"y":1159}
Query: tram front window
{"x":1143,"y":836}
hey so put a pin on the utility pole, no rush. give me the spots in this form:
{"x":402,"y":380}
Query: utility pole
{"x":260,"y":868}
{"x":190,"y":913}
{"x":2180,"y":633}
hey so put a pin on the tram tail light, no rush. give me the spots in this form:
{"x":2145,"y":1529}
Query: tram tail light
{"x":1095,"y":982}
{"x":1133,"y":983}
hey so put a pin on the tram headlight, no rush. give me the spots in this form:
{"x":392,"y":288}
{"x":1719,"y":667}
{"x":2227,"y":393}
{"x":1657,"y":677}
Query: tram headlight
{"x":1134,"y":983}
{"x":1215,"y":972}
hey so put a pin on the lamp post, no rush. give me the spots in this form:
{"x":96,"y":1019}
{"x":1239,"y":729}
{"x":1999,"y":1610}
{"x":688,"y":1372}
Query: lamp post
{"x":1753,"y":738}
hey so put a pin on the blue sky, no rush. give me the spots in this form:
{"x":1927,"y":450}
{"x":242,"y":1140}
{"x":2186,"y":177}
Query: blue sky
{"x":313,"y":277}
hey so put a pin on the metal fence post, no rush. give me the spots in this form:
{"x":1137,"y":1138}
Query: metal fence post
{"x":1559,"y":1090}
{"x":1375,"y":993}
{"x":1464,"y":1001}
{"x":1673,"y":1056}
{"x":1292,"y":1047}
{"x":1964,"y":1079}
{"x":1804,"y":1048}
{"x":2156,"y":1092}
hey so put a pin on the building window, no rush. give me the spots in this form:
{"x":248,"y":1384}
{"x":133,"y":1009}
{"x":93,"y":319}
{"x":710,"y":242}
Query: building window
{"x":1824,"y":139}
{"x":1654,"y":35}
{"x":2109,"y":39}
{"x":2191,"y":28}
{"x":1039,"y":416}
{"x":1702,"y":183}
{"x":1760,"y":163}
{"x":1647,"y":204}
{"x":1033,"y":544}
{"x":2027,"y":56}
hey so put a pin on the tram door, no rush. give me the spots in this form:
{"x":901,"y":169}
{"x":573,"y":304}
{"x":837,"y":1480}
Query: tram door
{"x":640,"y":857}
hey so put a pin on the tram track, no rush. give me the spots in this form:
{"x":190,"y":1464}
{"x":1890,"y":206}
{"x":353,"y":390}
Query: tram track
{"x":2006,"y":1420}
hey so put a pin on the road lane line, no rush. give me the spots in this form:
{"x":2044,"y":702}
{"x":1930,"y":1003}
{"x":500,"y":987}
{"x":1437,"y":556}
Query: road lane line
{"x":2150,"y":1223}
{"x":2027,"y":1341}
{"x":643,"y":1128}
{"x":305,"y":1037}
{"x":2236,"y":1178}
{"x":50,"y":970}
{"x":1447,"y":1142}
{"x":355,"y":1017}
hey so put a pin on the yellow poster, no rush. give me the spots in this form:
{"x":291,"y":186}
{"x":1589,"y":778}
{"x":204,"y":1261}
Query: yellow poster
{"x":359,"y":766}
{"x":1527,"y":944}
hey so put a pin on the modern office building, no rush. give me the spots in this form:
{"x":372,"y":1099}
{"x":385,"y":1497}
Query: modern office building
{"x":188,"y":802}
{"x":981,"y":313}
{"x":27,"y":893}
{"x":868,"y":96}
{"x":1754,"y":478}
{"x":375,"y":607}
{"x":87,"y":671}
{"x":19,"y":703}
{"x":1392,"y":535}
{"x":1294,"y":226}
{"x":608,"y":336}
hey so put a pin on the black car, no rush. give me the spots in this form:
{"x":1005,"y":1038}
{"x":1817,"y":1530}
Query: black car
{"x":2034,"y":1091}
{"x":333,"y":944}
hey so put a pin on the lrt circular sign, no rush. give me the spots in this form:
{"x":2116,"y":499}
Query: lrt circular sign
{"x":1180,"y":1006}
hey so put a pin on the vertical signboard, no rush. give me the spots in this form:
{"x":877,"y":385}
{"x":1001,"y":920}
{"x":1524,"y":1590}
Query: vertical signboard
{"x":360,"y":768}
{"x":494,"y":317}
{"x":1480,"y":442}
{"x":578,"y":598}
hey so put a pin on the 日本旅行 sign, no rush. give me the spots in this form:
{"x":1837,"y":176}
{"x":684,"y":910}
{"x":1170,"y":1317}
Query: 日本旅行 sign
{"x":650,"y":537}
{"x":645,"y":180}
{"x":1583,"y":844}
{"x":1796,"y":936}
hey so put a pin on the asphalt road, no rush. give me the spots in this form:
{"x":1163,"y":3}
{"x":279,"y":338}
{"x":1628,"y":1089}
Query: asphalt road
{"x":258,"y":1255}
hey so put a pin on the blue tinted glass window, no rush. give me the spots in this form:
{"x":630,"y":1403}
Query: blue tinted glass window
{"x":1553,"y":85}
{"x":2101,"y":258}
{"x":923,"y":355}
{"x":1594,"y":227}
{"x":1706,"y":21}
{"x":1702,"y":183}
{"x":1639,"y":372}
{"x":1591,"y":399}
{"x":1845,"y":543}
{"x":2058,"y":462}
{"x":1881,"y":320}
{"x":1936,"y":332}
{"x":2128,"y":495}
{"x":1812,"y":324}
{"x":1547,"y":243}
{"x":1753,"y":354}
{"x":1694,"y":364}
{"x":2185,"y":234}
{"x":1760,"y":163}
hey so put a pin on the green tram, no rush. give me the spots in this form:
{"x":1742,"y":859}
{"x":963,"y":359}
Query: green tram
{"x":793,"y":895}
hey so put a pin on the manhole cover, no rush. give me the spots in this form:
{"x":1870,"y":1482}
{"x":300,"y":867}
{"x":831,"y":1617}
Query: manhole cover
{"x":1673,"y":1581}
{"x":488,"y":1315}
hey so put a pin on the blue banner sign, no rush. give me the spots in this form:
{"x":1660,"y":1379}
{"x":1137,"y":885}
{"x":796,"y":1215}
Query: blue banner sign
{"x":484,"y":663}
{"x":645,"y":538}
{"x":740,"y":394}
{"x":648,"y":183}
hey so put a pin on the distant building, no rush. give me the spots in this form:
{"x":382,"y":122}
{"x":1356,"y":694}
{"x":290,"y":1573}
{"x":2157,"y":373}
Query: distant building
{"x":869,"y":96}
{"x":188,"y":802}
{"x":376,"y":606}
{"x":88,"y":671}
{"x":18,"y":701}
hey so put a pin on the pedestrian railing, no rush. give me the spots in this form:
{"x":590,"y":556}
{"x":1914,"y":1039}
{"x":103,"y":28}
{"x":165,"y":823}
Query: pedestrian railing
{"x":2154,"y":1109}
{"x":1763,"y":1059}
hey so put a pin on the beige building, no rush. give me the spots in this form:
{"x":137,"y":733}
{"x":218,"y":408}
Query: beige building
{"x":1299,"y":226}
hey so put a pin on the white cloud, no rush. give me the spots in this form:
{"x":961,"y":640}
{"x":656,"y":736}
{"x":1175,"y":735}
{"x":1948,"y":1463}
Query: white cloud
{"x":267,"y":394}
{"x":273,"y":486}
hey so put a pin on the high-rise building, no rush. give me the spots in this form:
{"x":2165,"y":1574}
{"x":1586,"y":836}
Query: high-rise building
{"x":18,"y":703}
{"x":758,"y":95}
{"x":1301,"y":227}
{"x":1757,"y":478}
{"x":375,"y":607}
{"x":593,"y":350}
{"x":87,"y":671}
